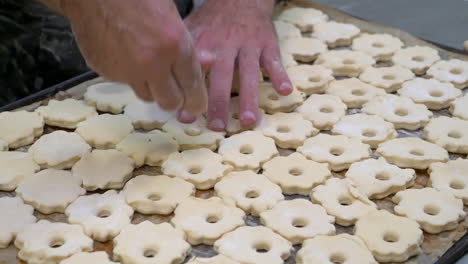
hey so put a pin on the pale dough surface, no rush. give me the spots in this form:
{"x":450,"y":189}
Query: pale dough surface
{"x":335,"y":34}
{"x":15,"y":217}
{"x":20,"y":128}
{"x":234,"y":125}
{"x":109,"y":97}
{"x":449,"y":133}
{"x":67,"y":113}
{"x":286,"y":30}
{"x":14,"y":168}
{"x":454,"y":71}
{"x":303,"y":18}
{"x":86,"y":257}
{"x":147,"y":115}
{"x":218,"y":259}
{"x":303,"y":49}
{"x":3,"y":145}
{"x":388,"y":78}
{"x":450,"y":177}
{"x":459,"y":107}
{"x":346,"y":63}
{"x":323,"y":110}
{"x":354,"y":92}
{"x":310,"y":79}
{"x":270,"y":101}
{"x":416,"y":58}
{"x":380,"y":46}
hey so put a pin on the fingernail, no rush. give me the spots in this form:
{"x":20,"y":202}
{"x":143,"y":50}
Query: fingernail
{"x":186,"y":117}
{"x":248,"y":118}
{"x":285,"y":89}
{"x":217,"y":124}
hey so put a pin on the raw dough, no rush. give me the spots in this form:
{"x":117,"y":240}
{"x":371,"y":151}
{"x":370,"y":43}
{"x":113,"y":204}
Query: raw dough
{"x":20,"y":128}
{"x":205,"y":220}
{"x":50,"y":190}
{"x":298,"y":220}
{"x":67,"y":113}
{"x":323,"y":110}
{"x":234,"y":125}
{"x":342,"y":248}
{"x":103,"y":169}
{"x":432,"y":93}
{"x":295,"y":174}
{"x":147,"y":115}
{"x":449,"y":133}
{"x":354,"y":92}
{"x":411,"y":152}
{"x":303,"y":49}
{"x":286,"y":30}
{"x":14,"y":168}
{"x":346,"y":63}
{"x":251,"y":192}
{"x":435,"y":211}
{"x":51,"y":151}
{"x":287,"y":59}
{"x":289,"y":130}
{"x":390,"y":238}
{"x":459,"y":107}
{"x":450,"y":177}
{"x":148,"y":243}
{"x":3,"y":145}
{"x":257,"y":245}
{"x":218,"y":259}
{"x":15,"y":216}
{"x":310,"y":79}
{"x":342,"y":199}
{"x":401,"y":111}
{"x":303,"y":18}
{"x":49,"y":243}
{"x":377,"y":178}
{"x":109,"y":97}
{"x":272,"y":102}
{"x":338,"y":151}
{"x":335,"y":34}
{"x":380,"y":46}
{"x":156,"y":194}
{"x":201,"y":167}
{"x":370,"y":129}
{"x":151,"y":148}
{"x":454,"y":71}
{"x":105,"y":131}
{"x":247,"y":150}
{"x":416,"y":58}
{"x":193,"y":136}
{"x":98,"y":257}
{"x":102,"y":216}
{"x":388,"y":78}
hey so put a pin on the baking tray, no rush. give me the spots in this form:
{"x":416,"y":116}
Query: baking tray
{"x":444,"y":248}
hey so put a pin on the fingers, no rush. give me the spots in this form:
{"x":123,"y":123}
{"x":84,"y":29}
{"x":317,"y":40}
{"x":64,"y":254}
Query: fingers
{"x":249,"y":81}
{"x":271,"y":61}
{"x":166,"y":92}
{"x":142,"y":91}
{"x":206,"y":59}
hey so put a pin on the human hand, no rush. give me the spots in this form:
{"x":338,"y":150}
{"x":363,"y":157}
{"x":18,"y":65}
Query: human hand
{"x":237,"y":34}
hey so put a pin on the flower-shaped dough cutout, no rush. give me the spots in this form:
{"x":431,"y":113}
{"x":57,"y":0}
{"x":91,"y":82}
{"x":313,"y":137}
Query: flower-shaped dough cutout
{"x":416,"y":58}
{"x":342,"y":199}
{"x":257,"y":244}
{"x":370,"y":129}
{"x":412,"y":152}
{"x":353,"y":92}
{"x":454,"y":71}
{"x":390,"y":238}
{"x":380,"y":46}
{"x":205,"y":220}
{"x":298,"y":220}
{"x":86,"y":257}
{"x":335,"y":34}
{"x":287,"y":59}
{"x":323,"y":110}
{"x":194,"y":135}
{"x":109,"y":97}
{"x":449,"y":133}
{"x":50,"y":191}
{"x":16,"y":215}
{"x":49,"y":151}
{"x":401,"y":111}
{"x":377,"y":179}
{"x":151,"y":148}
{"x":102,"y":216}
{"x":338,"y":151}
{"x":247,"y":150}
{"x":342,"y":248}
{"x":147,"y":115}
{"x":67,"y":113}
{"x":14,"y":168}
{"x":251,"y":192}
{"x":303,"y":18}
{"x":234,"y":125}
{"x":201,"y":167}
{"x":434,"y":210}
{"x":103,"y":169}
{"x":148,"y":243}
{"x":156,"y":194}
{"x":299,"y":176}
{"x":105,"y":131}
{"x":272,"y":102}
{"x":388,"y":78}
{"x":432,"y":93}
{"x":286,"y":30}
{"x":46,"y":242}
{"x":345,"y":62}
{"x":310,"y":79}
{"x":289,"y":130}
{"x":20,"y":128}
{"x":450,"y":177}
{"x":459,"y":107}
{"x":303,"y":49}
{"x":218,"y":259}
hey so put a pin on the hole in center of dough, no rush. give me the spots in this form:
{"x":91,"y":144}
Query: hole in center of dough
{"x":388,"y":77}
{"x":348,"y":61}
{"x":382,"y":176}
{"x":454,"y":134}
{"x":273,"y":97}
{"x":357,"y":92}
{"x":326,"y":109}
{"x":435,"y":93}
{"x":299,"y":222}
{"x":345,"y":201}
{"x":417,"y":58}
{"x":337,"y":258}
{"x":246,"y":149}
{"x":150,"y":253}
{"x":369,"y":133}
{"x":456,"y":71}
{"x":401,"y":112}
{"x":283,"y":129}
{"x":261,"y":247}
{"x":56,"y":243}
{"x":252,"y":194}
{"x":195,"y":169}
{"x":378,"y":45}
{"x":104,"y":213}
{"x":336,"y":151}
{"x":391,"y":237}
{"x":417,"y":152}
{"x":431,"y":209}
{"x":212,"y":219}
{"x":154,"y":197}
{"x":295,"y":171}
{"x":315,"y":79}
{"x":457,"y":185}
{"x":192,"y":131}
